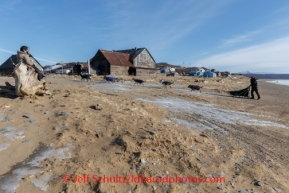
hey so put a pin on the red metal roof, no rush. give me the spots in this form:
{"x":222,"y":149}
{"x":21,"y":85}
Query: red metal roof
{"x":117,"y":58}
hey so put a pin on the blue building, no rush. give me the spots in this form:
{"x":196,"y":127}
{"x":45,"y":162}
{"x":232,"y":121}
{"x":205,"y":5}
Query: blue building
{"x":196,"y":73}
{"x":209,"y":74}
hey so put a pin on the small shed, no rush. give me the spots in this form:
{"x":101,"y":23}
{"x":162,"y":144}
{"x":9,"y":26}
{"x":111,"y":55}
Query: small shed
{"x":209,"y":74}
{"x":196,"y":73}
{"x":164,"y":69}
{"x":217,"y":73}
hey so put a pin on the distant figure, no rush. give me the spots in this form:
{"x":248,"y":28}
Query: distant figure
{"x":78,"y":69}
{"x":254,"y":87}
{"x":23,"y":56}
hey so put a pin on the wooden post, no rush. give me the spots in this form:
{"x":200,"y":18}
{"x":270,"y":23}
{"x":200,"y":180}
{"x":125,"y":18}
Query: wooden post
{"x":88,"y":65}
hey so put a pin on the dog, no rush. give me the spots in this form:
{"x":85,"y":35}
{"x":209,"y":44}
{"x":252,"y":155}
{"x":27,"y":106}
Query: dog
{"x":109,"y":79}
{"x":138,"y":81}
{"x":167,"y":83}
{"x":85,"y":77}
{"x":195,"y":87}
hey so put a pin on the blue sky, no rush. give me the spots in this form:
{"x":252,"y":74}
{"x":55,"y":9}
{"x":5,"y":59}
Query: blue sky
{"x":233,"y":35}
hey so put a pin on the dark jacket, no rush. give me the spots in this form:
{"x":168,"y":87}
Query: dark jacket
{"x":254,"y":83}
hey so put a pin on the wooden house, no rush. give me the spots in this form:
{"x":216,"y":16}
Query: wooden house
{"x":137,"y":61}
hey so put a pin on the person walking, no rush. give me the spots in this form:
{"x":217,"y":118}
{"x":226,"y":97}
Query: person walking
{"x":254,"y":87}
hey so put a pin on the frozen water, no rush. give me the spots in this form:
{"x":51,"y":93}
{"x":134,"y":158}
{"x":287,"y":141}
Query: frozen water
{"x":210,"y":112}
{"x":281,"y":82}
{"x":3,"y":146}
{"x":126,"y":86}
{"x":49,"y":152}
{"x":11,"y":133}
{"x":42,"y":182}
{"x":199,"y":126}
{"x":113,"y":87}
{"x":1,"y":116}
{"x":2,"y":130}
{"x":10,"y":181}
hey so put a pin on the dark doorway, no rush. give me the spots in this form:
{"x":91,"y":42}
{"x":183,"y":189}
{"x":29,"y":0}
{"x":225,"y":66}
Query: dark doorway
{"x":131,"y":71}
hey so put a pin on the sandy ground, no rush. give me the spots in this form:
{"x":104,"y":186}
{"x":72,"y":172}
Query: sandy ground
{"x":148,"y":130}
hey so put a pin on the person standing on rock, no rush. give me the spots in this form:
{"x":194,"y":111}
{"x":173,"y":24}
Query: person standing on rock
{"x":24,"y":57}
{"x":254,"y":87}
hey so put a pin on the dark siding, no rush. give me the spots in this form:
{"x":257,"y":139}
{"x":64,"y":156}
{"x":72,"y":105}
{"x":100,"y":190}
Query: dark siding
{"x":100,"y":64}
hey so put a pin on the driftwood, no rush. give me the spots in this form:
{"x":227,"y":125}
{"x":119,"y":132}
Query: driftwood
{"x":26,"y":81}
{"x":13,"y":64}
{"x":9,"y":86}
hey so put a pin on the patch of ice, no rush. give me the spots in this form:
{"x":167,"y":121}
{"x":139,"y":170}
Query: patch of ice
{"x":195,"y":93}
{"x":167,"y":120}
{"x":200,"y":126}
{"x":126,"y":86}
{"x":210,"y":111}
{"x":3,"y":146}
{"x":11,"y":133}
{"x":20,"y":133}
{"x":60,"y":153}
{"x":109,"y":86}
{"x":10,"y":181}
{"x":42,"y":182}
{"x":2,"y":130}
{"x":1,"y":116}
{"x":281,"y":82}
{"x":213,"y":126}
{"x":188,"y":125}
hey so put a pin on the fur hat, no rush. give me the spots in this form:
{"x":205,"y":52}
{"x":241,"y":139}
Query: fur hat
{"x":24,"y":48}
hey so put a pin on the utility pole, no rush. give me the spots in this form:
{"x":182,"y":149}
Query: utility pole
{"x":62,"y":66}
{"x":88,"y":64}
